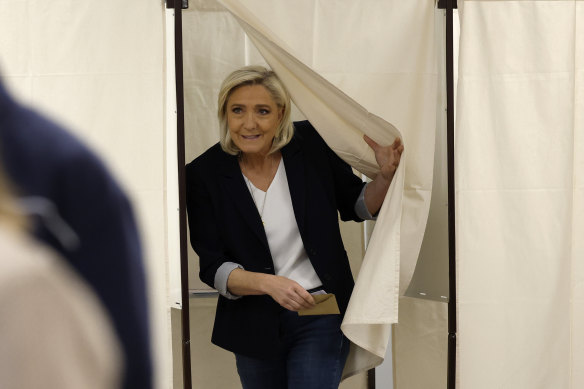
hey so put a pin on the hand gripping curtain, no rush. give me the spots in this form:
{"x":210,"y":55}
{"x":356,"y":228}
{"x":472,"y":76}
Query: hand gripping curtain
{"x":342,"y":122}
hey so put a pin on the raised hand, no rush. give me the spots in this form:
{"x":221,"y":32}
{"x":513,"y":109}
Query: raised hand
{"x":387,"y":157}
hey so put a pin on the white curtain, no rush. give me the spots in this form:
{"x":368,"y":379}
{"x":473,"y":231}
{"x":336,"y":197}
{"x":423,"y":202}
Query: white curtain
{"x":379,"y":55}
{"x":520,"y":195}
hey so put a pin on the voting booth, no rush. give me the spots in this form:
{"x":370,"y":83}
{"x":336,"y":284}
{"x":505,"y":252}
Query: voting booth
{"x":106,"y":70}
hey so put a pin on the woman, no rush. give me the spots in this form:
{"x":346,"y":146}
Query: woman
{"x":262,"y":207}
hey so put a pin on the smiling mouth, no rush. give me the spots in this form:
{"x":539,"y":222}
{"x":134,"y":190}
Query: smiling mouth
{"x":250,"y":137}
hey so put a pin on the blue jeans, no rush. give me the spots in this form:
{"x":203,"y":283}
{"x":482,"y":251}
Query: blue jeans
{"x":315,"y":354}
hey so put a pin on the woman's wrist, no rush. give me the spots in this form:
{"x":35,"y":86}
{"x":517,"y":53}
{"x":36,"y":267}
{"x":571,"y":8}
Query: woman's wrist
{"x":385,"y":181}
{"x":265,"y":283}
{"x":375,"y":193}
{"x":242,"y":283}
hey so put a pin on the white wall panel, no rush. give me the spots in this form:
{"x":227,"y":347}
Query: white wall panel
{"x":519,"y":199}
{"x":577,"y":264}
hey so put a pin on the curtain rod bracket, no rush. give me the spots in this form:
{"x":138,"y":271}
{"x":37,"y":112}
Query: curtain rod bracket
{"x":442,"y":4}
{"x":171,"y":4}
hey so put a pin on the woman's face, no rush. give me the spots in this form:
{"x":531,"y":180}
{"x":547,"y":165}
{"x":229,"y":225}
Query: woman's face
{"x":253,"y":118}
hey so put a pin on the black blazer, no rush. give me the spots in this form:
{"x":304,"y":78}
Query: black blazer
{"x":225,"y":226}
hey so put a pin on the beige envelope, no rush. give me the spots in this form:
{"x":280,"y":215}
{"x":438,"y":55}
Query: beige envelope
{"x":326,"y":304}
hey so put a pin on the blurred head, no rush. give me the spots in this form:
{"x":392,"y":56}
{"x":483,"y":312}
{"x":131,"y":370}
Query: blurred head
{"x":254,"y":112}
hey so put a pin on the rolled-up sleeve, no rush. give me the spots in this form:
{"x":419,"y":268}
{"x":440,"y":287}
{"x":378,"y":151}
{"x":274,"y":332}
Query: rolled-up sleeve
{"x":361,"y":208}
{"x":221,"y":278}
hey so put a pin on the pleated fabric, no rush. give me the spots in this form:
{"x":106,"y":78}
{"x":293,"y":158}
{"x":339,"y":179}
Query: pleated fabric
{"x":358,"y":76}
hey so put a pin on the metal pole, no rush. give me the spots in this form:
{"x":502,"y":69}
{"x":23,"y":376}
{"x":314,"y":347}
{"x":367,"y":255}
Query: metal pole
{"x":186,"y":336}
{"x":452,"y":325}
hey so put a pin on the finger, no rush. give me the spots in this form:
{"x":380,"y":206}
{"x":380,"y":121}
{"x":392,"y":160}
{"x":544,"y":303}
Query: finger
{"x":396,"y":143}
{"x":299,"y":298}
{"x":307,"y":298}
{"x":289,"y":303}
{"x":374,"y":145}
{"x":300,"y":301}
{"x":294,"y":306}
{"x":297,"y":305}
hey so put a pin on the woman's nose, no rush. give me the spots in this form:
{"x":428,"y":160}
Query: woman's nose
{"x":249,"y":121}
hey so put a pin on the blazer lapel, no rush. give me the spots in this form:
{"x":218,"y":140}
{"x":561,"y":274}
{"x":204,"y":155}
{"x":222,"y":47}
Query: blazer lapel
{"x":294,"y":164}
{"x":234,"y":184}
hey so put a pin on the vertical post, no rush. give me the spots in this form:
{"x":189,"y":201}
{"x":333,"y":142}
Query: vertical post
{"x":180,"y":119}
{"x":452,"y":325}
{"x":371,"y":378}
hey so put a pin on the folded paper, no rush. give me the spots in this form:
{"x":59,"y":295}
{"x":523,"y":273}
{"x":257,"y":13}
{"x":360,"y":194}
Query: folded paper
{"x":326,"y":304}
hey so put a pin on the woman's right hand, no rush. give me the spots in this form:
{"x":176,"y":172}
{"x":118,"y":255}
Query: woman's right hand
{"x":289,"y":294}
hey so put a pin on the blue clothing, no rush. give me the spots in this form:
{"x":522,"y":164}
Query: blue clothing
{"x":43,"y":160}
{"x":313,"y":357}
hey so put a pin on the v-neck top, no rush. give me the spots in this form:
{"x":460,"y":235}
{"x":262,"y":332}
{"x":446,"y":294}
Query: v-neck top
{"x":286,"y":246}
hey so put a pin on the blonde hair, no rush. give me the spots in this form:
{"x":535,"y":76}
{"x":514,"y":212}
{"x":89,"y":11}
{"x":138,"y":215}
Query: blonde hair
{"x":9,"y":212}
{"x":255,"y":75}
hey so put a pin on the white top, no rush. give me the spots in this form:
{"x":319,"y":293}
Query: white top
{"x":290,"y":259}
{"x":288,"y":254}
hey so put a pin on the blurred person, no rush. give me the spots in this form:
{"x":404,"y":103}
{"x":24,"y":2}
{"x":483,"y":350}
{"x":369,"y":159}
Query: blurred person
{"x":263,"y":209}
{"x":80,"y":211}
{"x":53,"y":331}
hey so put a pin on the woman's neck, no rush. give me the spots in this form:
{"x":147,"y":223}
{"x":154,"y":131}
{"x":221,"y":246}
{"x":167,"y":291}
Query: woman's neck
{"x":260,"y":170}
{"x":258,"y":163}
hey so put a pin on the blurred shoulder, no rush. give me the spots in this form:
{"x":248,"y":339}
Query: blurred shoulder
{"x":42,"y":158}
{"x":40,"y":138}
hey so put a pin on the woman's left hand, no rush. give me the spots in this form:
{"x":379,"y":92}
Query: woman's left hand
{"x":388,"y":157}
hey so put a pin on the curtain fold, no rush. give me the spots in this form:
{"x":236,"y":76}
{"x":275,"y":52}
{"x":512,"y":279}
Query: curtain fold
{"x":390,"y":259}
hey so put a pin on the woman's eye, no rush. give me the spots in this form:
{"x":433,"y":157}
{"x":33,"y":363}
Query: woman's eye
{"x":236,"y":110}
{"x":264,"y":111}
